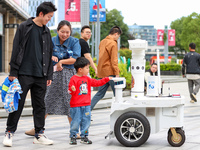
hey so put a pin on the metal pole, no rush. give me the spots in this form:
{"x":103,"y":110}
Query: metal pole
{"x":158,"y":65}
{"x":166,"y":45}
{"x":92,"y":39}
{"x":118,"y":43}
{"x":96,"y":47}
{"x":98,"y":31}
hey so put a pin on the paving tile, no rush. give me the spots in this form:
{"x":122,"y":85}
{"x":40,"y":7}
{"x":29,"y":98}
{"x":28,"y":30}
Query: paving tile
{"x":57,"y":129}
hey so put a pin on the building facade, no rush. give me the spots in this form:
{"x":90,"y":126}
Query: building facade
{"x":33,"y":4}
{"x":148,"y":33}
{"x":12,"y":13}
{"x":59,"y":15}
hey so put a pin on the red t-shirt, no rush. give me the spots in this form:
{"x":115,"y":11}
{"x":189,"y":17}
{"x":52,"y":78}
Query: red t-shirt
{"x":82,"y":95}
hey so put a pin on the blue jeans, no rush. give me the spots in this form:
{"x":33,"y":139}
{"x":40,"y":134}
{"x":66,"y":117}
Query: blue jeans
{"x":101,"y":92}
{"x":81,"y":116}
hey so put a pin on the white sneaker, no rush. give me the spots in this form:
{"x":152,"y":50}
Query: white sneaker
{"x":192,"y":101}
{"x":7,"y":141}
{"x":42,"y":139}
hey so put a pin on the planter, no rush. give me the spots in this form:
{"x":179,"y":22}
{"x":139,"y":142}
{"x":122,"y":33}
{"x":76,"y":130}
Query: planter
{"x":177,"y":73}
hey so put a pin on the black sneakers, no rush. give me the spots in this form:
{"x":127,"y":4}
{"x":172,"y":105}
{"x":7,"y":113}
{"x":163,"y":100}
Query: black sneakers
{"x":85,"y":140}
{"x":73,"y":141}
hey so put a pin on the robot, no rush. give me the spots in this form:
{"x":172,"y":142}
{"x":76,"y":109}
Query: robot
{"x":133,"y":118}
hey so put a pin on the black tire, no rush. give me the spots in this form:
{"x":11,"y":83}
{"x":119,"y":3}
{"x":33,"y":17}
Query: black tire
{"x":132,"y":129}
{"x":176,"y":142}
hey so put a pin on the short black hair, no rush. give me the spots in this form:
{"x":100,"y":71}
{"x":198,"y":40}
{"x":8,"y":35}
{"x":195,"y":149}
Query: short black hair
{"x":81,"y":62}
{"x":192,"y":45}
{"x":45,"y":8}
{"x":115,"y":29}
{"x":154,"y":64}
{"x":85,"y":27}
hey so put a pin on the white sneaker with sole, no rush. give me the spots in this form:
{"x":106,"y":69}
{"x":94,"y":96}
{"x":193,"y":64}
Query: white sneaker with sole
{"x":7,"y":141}
{"x":42,"y":139}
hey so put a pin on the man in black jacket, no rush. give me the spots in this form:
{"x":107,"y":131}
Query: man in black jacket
{"x":31,"y":63}
{"x":191,"y":65}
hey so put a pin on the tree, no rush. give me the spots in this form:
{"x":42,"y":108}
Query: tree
{"x":177,"y":25}
{"x":114,"y":18}
{"x":76,"y":35}
{"x":52,"y":33}
{"x":190,"y":31}
{"x":187,"y":31}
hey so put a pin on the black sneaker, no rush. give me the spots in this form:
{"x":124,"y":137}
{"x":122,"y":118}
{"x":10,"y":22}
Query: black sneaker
{"x":194,"y":97}
{"x":73,"y":141}
{"x":85,"y":140}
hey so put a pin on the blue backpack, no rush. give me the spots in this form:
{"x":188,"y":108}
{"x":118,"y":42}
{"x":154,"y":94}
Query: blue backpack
{"x":10,"y":94}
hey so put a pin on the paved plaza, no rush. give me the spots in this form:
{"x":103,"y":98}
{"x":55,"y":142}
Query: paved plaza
{"x":57,"y":128}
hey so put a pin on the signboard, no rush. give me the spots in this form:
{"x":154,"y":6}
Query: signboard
{"x":171,"y":37}
{"x":72,"y":10}
{"x":11,"y":25}
{"x":1,"y":24}
{"x":93,"y":11}
{"x":160,"y":37}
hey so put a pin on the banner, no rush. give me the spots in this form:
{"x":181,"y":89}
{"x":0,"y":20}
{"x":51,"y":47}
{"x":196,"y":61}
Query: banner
{"x":171,"y":37}
{"x":72,"y":10}
{"x":93,"y":11}
{"x":160,"y":37}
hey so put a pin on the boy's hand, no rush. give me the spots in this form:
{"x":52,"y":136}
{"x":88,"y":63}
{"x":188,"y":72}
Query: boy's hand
{"x":73,"y":88}
{"x":110,"y":78}
{"x":11,"y":78}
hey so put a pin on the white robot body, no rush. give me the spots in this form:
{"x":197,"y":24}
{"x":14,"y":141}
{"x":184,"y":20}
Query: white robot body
{"x":138,"y":61}
{"x":132,"y":119}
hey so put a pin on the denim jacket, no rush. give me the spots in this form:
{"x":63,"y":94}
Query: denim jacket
{"x":70,"y":49}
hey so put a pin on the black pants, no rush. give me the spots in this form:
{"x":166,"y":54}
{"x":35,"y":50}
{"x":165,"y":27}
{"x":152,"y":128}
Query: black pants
{"x":37,"y":85}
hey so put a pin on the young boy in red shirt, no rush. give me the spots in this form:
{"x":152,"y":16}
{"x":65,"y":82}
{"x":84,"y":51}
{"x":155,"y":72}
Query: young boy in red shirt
{"x":80,"y":109}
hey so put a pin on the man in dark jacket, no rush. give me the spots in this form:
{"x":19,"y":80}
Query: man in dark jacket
{"x":31,"y":63}
{"x":191,"y":65}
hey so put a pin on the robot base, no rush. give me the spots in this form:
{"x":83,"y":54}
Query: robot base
{"x":133,"y":119}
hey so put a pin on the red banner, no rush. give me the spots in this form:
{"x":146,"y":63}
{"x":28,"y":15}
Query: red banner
{"x":72,"y":10}
{"x":160,"y":37}
{"x":171,"y":37}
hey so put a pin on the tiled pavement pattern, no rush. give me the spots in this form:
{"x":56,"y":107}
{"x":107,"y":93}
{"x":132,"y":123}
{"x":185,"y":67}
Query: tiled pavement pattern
{"x":57,"y":129}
